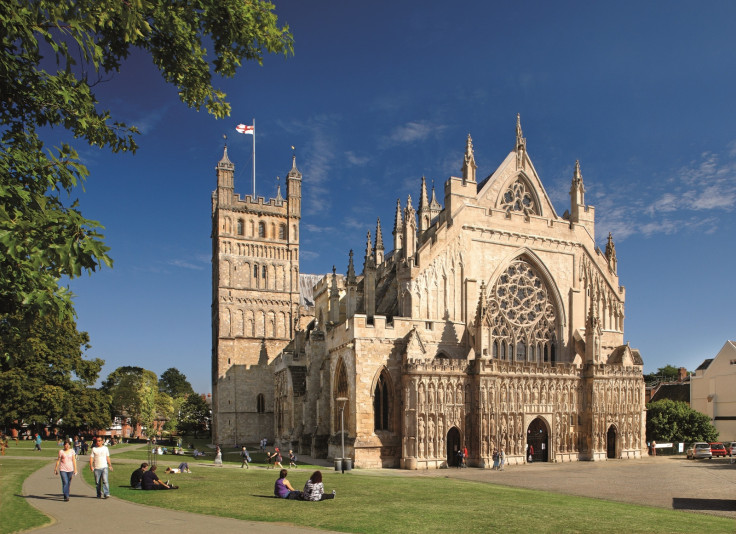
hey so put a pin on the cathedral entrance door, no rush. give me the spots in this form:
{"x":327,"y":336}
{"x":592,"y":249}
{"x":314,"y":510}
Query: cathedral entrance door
{"x":537,"y":436}
{"x":611,"y":442}
{"x":453,"y":444}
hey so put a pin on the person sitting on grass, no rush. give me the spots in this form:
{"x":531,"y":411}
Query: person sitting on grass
{"x":197,"y":453}
{"x":151,"y":481}
{"x":314,"y":490}
{"x":183,"y":468}
{"x":136,"y":478}
{"x":282,"y":488}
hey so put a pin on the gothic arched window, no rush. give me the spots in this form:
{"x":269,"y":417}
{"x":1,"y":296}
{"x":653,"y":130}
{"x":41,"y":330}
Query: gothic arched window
{"x":519,"y":197}
{"x":340,"y":391}
{"x":521,"y":317}
{"x":240,"y":227}
{"x":382,"y":403}
{"x":261,"y":403}
{"x":282,"y":232}
{"x":261,"y":229}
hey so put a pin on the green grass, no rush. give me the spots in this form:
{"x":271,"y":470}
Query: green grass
{"x":15,"y":511}
{"x":377,"y":503}
{"x":49,"y":449}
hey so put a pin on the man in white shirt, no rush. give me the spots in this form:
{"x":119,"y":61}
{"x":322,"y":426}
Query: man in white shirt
{"x":99,"y":463}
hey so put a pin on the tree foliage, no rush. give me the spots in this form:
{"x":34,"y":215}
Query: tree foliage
{"x":668,"y":373}
{"x":133,"y":391}
{"x":195,"y":415}
{"x":675,"y":421}
{"x":48,"y":381}
{"x":52,"y":56}
{"x":174,"y":383}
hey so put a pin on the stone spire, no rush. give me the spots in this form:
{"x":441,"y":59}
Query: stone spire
{"x":351,"y":296}
{"x":378,"y":248}
{"x":369,"y":281}
{"x":434,"y":207}
{"x":410,"y":233}
{"x":369,"y":262}
{"x":424,"y":217}
{"x":279,"y":198}
{"x":398,"y":228}
{"x":520,"y":144}
{"x":294,"y":189}
{"x":577,"y":194}
{"x":611,"y":253}
{"x":469,"y":166}
{"x":334,"y":298}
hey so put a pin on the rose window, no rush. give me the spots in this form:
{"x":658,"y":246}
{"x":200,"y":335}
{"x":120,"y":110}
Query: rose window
{"x":521,"y":320}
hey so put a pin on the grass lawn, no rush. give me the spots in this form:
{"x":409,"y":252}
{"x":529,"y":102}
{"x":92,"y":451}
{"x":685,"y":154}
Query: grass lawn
{"x":369,"y":502}
{"x":49,"y":449}
{"x":15,"y":511}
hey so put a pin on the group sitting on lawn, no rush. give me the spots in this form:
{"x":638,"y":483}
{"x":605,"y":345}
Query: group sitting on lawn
{"x":314,"y":489}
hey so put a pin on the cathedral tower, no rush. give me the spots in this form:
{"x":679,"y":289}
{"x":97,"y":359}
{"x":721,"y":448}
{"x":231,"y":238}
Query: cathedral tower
{"x":255,"y":300}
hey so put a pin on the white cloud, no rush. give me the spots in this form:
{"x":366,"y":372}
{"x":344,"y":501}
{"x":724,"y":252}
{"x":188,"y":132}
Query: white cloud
{"x":414,"y":131}
{"x":677,"y":203}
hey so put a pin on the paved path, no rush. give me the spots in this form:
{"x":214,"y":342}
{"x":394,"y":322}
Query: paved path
{"x":704,"y":486}
{"x":86,"y":513}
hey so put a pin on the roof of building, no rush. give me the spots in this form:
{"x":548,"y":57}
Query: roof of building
{"x":676,"y":391}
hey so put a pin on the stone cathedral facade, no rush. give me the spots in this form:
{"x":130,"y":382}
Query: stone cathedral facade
{"x":493,"y":323}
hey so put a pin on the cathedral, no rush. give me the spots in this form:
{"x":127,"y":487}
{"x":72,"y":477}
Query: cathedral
{"x":493,"y":323}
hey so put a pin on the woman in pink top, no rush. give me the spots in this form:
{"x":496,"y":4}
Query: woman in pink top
{"x":66,"y":466}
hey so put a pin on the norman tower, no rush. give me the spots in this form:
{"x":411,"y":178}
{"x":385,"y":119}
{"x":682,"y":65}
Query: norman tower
{"x":255,"y":301}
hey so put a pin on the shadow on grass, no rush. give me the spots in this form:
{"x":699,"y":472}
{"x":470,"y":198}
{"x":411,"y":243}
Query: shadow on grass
{"x":725,"y":505}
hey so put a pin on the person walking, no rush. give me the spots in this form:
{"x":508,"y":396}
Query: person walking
{"x":292,"y":459}
{"x":100,"y":464}
{"x":218,"y":456}
{"x":278,"y":459}
{"x":38,"y":442}
{"x":501,"y":459}
{"x":495,"y":459}
{"x":66,"y":467}
{"x":245,"y":457}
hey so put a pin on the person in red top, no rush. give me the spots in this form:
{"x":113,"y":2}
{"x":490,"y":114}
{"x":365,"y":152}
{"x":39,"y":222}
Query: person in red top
{"x":465,"y":457}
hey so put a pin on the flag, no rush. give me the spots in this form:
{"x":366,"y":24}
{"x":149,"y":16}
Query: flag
{"x":245,"y":129}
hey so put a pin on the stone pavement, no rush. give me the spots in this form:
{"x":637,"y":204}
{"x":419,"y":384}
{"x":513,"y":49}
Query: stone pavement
{"x":703,"y":486}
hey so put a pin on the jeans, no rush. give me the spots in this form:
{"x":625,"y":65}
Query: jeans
{"x":101,"y":481}
{"x":66,"y":481}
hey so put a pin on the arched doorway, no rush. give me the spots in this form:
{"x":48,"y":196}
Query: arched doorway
{"x":453,"y":444}
{"x":611,"y":442}
{"x":537,"y":436}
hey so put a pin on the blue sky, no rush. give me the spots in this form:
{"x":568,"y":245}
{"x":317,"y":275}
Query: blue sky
{"x":379,"y":94}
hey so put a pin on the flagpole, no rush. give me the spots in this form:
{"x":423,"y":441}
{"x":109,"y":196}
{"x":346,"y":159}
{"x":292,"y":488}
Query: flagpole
{"x":254,"y":159}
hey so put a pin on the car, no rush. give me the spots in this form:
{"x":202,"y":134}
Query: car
{"x":717,"y":449}
{"x":699,"y":450}
{"x":731,"y":448}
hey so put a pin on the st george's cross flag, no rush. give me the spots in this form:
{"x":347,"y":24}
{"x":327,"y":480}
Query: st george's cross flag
{"x":245,"y":129}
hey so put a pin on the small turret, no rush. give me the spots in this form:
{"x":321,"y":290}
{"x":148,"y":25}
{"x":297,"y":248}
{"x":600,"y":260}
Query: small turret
{"x":410,"y":233}
{"x":369,"y":281}
{"x":351,"y":286}
{"x":225,"y":181}
{"x":469,"y":166}
{"x":611,"y":254}
{"x":378,"y":248}
{"x":334,"y":299}
{"x":294,"y":190}
{"x":520,"y":144}
{"x":398,"y":229}
{"x":424,"y":217}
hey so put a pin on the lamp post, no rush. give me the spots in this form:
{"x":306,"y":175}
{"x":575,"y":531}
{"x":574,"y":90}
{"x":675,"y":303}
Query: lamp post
{"x":342,"y":401}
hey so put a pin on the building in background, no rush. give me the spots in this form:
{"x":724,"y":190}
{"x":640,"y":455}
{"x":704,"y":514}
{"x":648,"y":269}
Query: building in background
{"x":713,"y":390}
{"x":493,"y":323}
